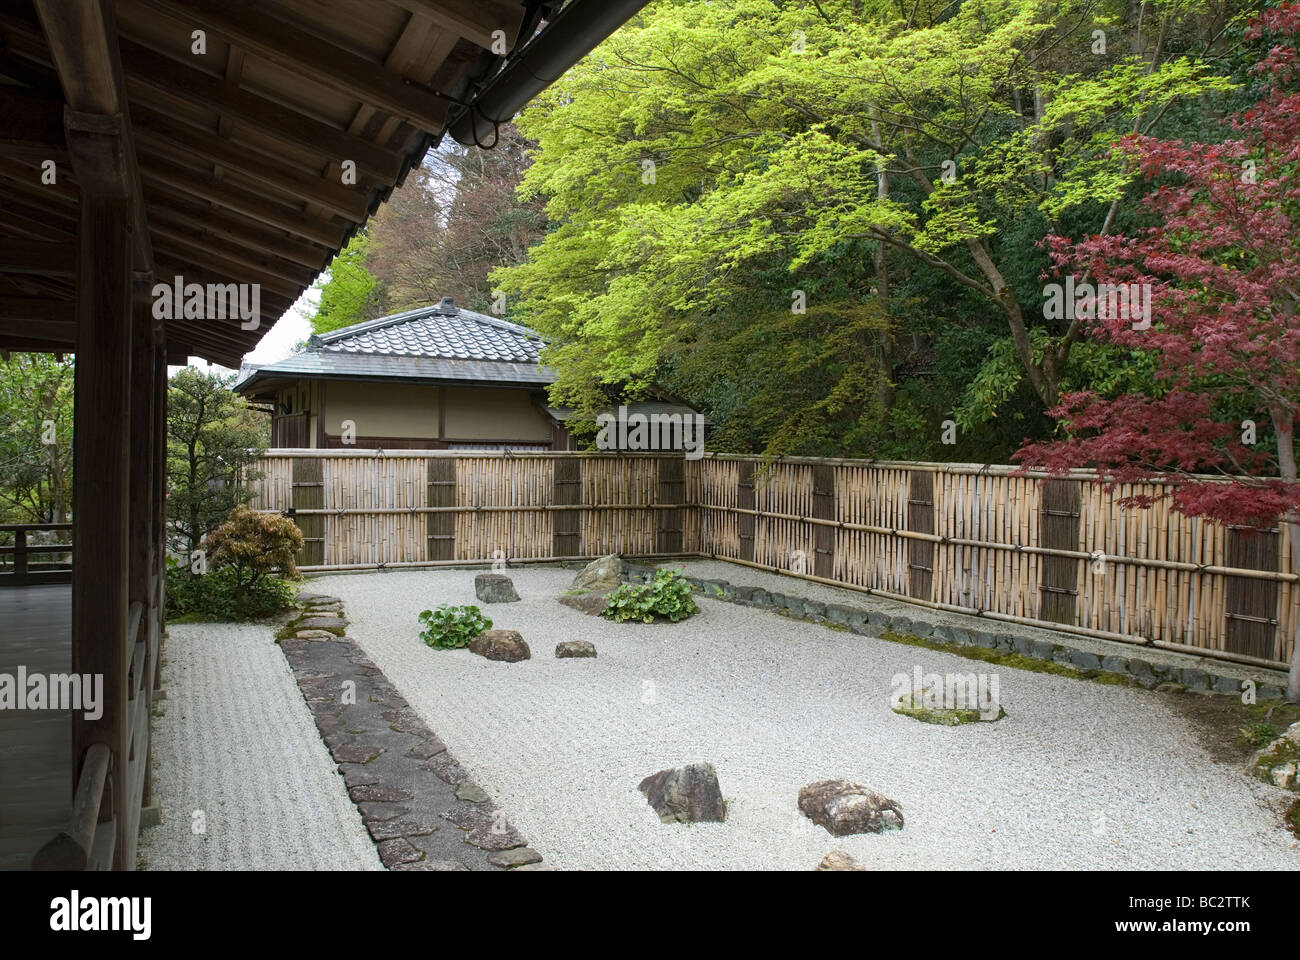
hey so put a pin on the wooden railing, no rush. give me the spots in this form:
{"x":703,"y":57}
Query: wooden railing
{"x":22,"y":570}
{"x":105,"y":792}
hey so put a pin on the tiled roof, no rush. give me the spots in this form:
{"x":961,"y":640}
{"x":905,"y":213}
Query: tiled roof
{"x":426,"y":332}
{"x":431,"y":343}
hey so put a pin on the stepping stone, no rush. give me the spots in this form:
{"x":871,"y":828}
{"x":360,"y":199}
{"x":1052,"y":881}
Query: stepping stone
{"x":495,"y":588}
{"x":575,"y":648}
{"x":518,"y":857}
{"x":321,"y":623}
{"x":315,"y":635}
{"x":317,"y":598}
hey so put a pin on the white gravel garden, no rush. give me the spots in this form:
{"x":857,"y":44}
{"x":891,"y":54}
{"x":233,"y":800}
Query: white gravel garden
{"x":1076,"y":774}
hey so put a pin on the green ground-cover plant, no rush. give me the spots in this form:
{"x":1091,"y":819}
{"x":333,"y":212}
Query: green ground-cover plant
{"x":666,"y":594}
{"x":448,"y":627}
{"x":219,"y":595}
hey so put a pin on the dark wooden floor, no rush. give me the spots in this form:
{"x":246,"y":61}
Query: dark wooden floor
{"x":35,"y":746}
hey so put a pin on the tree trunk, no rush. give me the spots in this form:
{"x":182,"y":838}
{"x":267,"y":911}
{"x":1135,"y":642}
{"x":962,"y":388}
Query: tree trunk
{"x":1285,"y":426}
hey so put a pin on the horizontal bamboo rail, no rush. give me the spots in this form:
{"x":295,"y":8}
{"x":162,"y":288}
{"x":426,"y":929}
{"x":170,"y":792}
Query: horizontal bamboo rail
{"x":984,"y":540}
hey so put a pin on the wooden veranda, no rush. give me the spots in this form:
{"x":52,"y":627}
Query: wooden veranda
{"x":222,"y":142}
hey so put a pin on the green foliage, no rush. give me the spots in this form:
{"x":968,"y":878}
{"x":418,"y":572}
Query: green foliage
{"x":35,"y":438}
{"x":220,"y":595}
{"x":448,"y":627}
{"x":214,"y":439}
{"x":254,"y":545}
{"x":699,"y":168}
{"x":667,"y":594}
{"x":1256,"y":734}
{"x":349,"y":292}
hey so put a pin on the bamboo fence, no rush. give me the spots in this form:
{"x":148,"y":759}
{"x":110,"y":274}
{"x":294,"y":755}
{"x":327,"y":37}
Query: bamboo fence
{"x":984,"y":540}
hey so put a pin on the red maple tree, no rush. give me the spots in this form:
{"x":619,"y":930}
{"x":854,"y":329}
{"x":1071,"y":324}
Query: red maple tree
{"x":1223,"y":269}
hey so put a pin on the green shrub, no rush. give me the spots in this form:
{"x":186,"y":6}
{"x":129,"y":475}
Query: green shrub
{"x":255,"y":545}
{"x":219,"y":595}
{"x":450,"y":627}
{"x":667,"y":594}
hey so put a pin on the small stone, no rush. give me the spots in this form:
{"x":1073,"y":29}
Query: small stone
{"x":1115,"y":664}
{"x":901,"y":624}
{"x":1042,"y":650}
{"x":844,"y":808}
{"x":471,"y":791}
{"x":507,"y":645}
{"x":518,"y":857}
{"x":839,"y":860}
{"x":688,"y":794}
{"x":838,"y":613}
{"x":761,"y":598}
{"x":1085,"y":661}
{"x":814,"y":608}
{"x":1283,"y":775}
{"x":495,"y":588}
{"x":575,"y":648}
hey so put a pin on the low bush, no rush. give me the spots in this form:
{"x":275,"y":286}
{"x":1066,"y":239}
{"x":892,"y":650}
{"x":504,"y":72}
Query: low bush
{"x":666,"y":594}
{"x":255,"y":545}
{"x":450,"y":627}
{"x":219,"y":595}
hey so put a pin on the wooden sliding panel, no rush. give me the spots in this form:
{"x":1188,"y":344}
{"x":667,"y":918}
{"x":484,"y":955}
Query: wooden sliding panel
{"x":1059,"y":518}
{"x":1250,"y":605}
{"x":823,"y":508}
{"x":441,"y":527}
{"x":745,"y":501}
{"x":309,"y":494}
{"x":567,"y":489}
{"x":920,"y":518}
{"x":672,"y":490}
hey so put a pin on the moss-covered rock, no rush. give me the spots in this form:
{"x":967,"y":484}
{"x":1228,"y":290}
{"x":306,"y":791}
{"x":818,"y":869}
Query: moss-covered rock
{"x":915,"y":707}
{"x":1279,"y":762}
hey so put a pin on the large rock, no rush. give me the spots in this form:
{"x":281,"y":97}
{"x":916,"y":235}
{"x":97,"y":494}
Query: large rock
{"x":688,"y":794}
{"x":507,"y":645}
{"x":844,"y":808}
{"x":592,"y":604}
{"x":575,"y":648}
{"x":600,"y":576}
{"x":495,"y":588}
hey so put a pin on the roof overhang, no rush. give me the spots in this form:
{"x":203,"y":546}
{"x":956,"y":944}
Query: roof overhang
{"x":254,"y":160}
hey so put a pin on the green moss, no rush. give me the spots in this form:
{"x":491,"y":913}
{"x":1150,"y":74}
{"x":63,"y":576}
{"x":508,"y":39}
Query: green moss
{"x":1016,"y":661}
{"x":1282,"y":751}
{"x":191,"y":618}
{"x":942,"y":716}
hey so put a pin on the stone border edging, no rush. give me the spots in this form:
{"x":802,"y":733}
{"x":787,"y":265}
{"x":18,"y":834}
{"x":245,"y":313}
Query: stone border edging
{"x":408,"y":788}
{"x":872,"y":623}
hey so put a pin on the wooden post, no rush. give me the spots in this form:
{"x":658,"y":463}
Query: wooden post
{"x":823,"y":478}
{"x":440,"y":528}
{"x":1059,"y":528}
{"x":101,"y":486}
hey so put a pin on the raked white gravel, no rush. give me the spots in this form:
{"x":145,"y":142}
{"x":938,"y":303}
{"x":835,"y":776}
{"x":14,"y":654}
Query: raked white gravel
{"x":237,"y":754}
{"x":1078,"y":775}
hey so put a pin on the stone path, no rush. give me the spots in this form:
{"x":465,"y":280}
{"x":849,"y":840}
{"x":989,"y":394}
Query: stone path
{"x":419,"y":805}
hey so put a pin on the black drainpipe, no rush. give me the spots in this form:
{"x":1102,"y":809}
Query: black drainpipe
{"x":576,"y":31}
